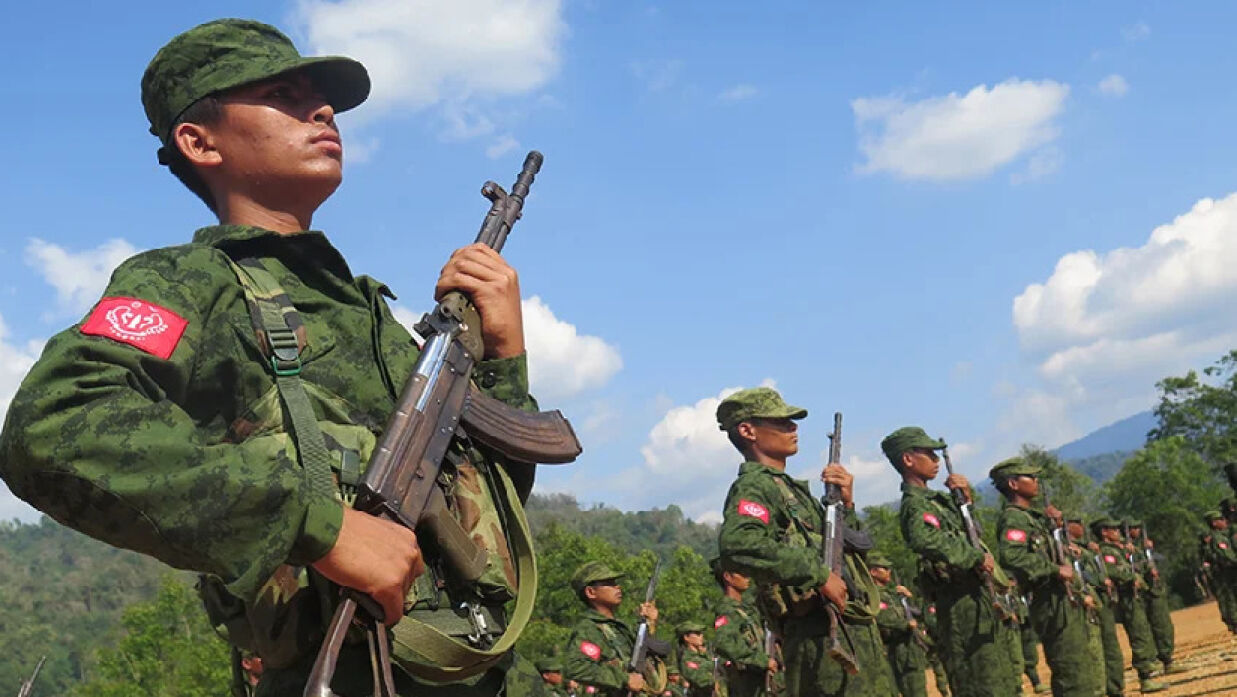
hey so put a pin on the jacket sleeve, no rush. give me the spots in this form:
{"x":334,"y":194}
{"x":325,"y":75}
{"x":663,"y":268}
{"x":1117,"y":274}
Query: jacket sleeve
{"x":749,"y":538}
{"x":733,"y":648}
{"x":1014,"y":535}
{"x":589,"y":661}
{"x":921,"y":528}
{"x":102,"y":437}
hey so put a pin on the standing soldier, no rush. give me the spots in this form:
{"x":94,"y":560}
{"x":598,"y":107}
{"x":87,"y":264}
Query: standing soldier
{"x":952,"y":570}
{"x":739,"y":637}
{"x":1221,"y":560}
{"x":1155,"y":600}
{"x":771,"y":531}
{"x":1029,"y":642}
{"x":552,"y":683}
{"x":1130,"y":611}
{"x":217,"y":407}
{"x":903,"y":637}
{"x":1025,"y":543}
{"x":695,"y":662}
{"x":674,"y":684}
{"x":1108,"y":652}
{"x":599,"y":650}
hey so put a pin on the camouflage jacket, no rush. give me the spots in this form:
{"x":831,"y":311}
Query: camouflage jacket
{"x":895,"y":626}
{"x":739,"y":637}
{"x":934,"y":529}
{"x":131,"y":426}
{"x":1024,"y":546}
{"x":598,"y":652}
{"x":1217,"y":549}
{"x":697,"y":669}
{"x":1117,"y":565}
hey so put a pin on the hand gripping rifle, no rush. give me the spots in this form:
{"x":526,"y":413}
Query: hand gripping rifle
{"x":438,"y":404}
{"x":972,"y":533}
{"x":1058,"y":546}
{"x":640,"y":649}
{"x":831,"y":549}
{"x":916,"y":633}
{"x":1129,"y":557}
{"x":771,"y":652}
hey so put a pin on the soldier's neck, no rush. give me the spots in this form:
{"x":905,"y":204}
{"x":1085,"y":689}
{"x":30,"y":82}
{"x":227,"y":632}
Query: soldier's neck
{"x":604,"y":610}
{"x":241,"y":210}
{"x":733,"y":593}
{"x":777,"y":463}
{"x":1020,"y":501}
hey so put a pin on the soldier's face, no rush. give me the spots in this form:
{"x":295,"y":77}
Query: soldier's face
{"x":1074,"y":530}
{"x":1111,"y":534}
{"x":553,"y":677}
{"x":776,"y":437}
{"x":693,"y":639}
{"x":880,"y":574}
{"x":736,"y":580}
{"x":608,"y":593}
{"x":1219,"y":524}
{"x":923,"y":463}
{"x":278,"y":136}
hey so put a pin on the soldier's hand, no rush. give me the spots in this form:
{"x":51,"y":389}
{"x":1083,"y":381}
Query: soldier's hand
{"x":988,"y":564}
{"x":494,"y":288}
{"x":635,"y":682}
{"x":1109,"y":585}
{"x":959,"y":481}
{"x":1155,"y":574}
{"x":1093,"y":546}
{"x":376,"y":557}
{"x":835,"y":591}
{"x":649,"y":612}
{"x":1065,"y":572}
{"x":1074,"y":550}
{"x":1088,"y":601}
{"x":1054,"y":513}
{"x":835,"y":473}
{"x":902,"y":590}
{"x":912,"y":624}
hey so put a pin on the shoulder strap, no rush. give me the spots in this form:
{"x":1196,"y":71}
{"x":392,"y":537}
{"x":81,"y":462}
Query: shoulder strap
{"x":282,"y":332}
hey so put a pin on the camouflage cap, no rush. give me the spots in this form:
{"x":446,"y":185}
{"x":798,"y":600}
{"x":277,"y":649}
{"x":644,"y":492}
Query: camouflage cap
{"x":1011,"y":467}
{"x":1106,"y":522}
{"x":552,"y":664}
{"x":688,"y":628}
{"x":672,"y":670}
{"x":1134,"y":523}
{"x":878,"y":559}
{"x":907,"y":438}
{"x":227,"y":53}
{"x":755,"y":403}
{"x":1212,"y":515}
{"x":592,"y":572}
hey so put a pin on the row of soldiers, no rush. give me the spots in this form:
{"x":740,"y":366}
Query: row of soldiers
{"x":1047,"y":582}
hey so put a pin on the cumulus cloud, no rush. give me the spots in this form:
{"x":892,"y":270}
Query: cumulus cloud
{"x":1105,"y":326}
{"x":78,"y":277}
{"x":501,"y":146}
{"x":1113,"y":86}
{"x":15,"y":362}
{"x":738,"y":93}
{"x":458,"y":54}
{"x":562,"y":362}
{"x":958,"y":136}
{"x":1136,"y":32}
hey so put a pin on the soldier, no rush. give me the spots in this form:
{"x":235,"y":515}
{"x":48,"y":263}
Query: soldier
{"x":1155,"y":600}
{"x":674,"y":684}
{"x":599,"y":650}
{"x":552,"y":683}
{"x":1220,"y":558}
{"x":739,"y":637}
{"x":932,"y":628}
{"x":1108,"y":652}
{"x":1129,"y":610}
{"x":1029,"y":643}
{"x":771,"y":531}
{"x":162,"y":423}
{"x":1024,"y":539}
{"x":695,"y":661}
{"x":904,"y":638}
{"x":973,"y":643}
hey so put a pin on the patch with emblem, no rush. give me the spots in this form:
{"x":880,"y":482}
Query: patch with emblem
{"x":693,"y":665}
{"x":884,"y":606}
{"x":590,"y":649}
{"x":1223,"y":546}
{"x":1013,"y":535}
{"x":153,"y":329}
{"x":751,"y":509}
{"x":720,"y":622}
{"x":1110,"y":559}
{"x":932,"y":520}
{"x":590,"y":689}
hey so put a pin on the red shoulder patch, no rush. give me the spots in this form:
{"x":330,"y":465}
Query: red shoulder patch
{"x":932,"y":520}
{"x":590,"y":689}
{"x":720,"y":622}
{"x":693,"y":665}
{"x":884,"y":605}
{"x":1019,"y":536}
{"x":752,"y":509}
{"x":591,"y":650}
{"x":153,"y":329}
{"x":1110,"y":559}
{"x":1223,"y":545}
{"x":932,"y":609}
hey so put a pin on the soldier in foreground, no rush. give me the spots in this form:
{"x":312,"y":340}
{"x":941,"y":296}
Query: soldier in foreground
{"x":1025,"y":546}
{"x":771,"y":531}
{"x":1220,"y":558}
{"x":695,"y":661}
{"x":1155,"y":600}
{"x":739,"y":637}
{"x":160,"y":422}
{"x":598,"y":653}
{"x":1130,"y":611}
{"x":903,"y":637}
{"x":952,"y":570}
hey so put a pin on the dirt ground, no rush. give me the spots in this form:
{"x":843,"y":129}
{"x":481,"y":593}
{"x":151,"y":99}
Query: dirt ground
{"x":1203,"y":645}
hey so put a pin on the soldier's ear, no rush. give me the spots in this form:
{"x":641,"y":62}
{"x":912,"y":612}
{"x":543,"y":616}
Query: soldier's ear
{"x":197,"y":143}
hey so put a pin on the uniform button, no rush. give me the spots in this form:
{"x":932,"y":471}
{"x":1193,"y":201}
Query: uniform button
{"x":489,"y":379}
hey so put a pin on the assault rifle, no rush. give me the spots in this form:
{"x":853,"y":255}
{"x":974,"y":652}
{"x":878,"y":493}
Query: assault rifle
{"x":640,"y":649}
{"x":1003,"y":612}
{"x":1129,"y":557}
{"x":832,"y":545}
{"x":918,"y":632}
{"x":1058,"y":546}
{"x":28,"y":685}
{"x":771,"y":652}
{"x":439,"y":403}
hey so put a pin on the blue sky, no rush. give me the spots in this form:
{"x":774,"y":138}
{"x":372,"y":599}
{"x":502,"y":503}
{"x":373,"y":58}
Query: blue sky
{"x":1001,"y":223}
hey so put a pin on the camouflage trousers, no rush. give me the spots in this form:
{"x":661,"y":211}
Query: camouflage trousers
{"x":1133,"y":617}
{"x":745,"y":683}
{"x":1161,"y":621}
{"x":1114,"y":661}
{"x":1224,"y":585}
{"x":1030,"y":650}
{"x":909,"y":663}
{"x":1012,"y":635}
{"x":810,"y":672}
{"x":938,"y":672}
{"x":973,"y":643}
{"x":1061,"y":625}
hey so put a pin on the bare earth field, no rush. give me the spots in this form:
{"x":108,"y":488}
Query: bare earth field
{"x":1202,"y":643}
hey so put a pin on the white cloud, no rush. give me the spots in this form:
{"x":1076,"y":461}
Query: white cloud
{"x":561,"y":361}
{"x":958,"y":136}
{"x":738,"y":93}
{"x":15,"y":362}
{"x":1105,"y":326}
{"x":658,"y":76}
{"x":1040,"y":164}
{"x":78,"y":277}
{"x":1113,"y":86}
{"x":1136,"y":32}
{"x":501,"y":146}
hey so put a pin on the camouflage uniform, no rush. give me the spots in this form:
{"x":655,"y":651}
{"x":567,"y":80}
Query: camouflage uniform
{"x":1130,"y":612}
{"x":738,"y":640}
{"x":696,"y":667}
{"x":1218,"y":551}
{"x":544,"y":687}
{"x":155,"y":423}
{"x":932,"y":627}
{"x":906,"y":654}
{"x":1024,"y":543}
{"x":771,"y":531}
{"x":973,"y":645}
{"x":1155,"y":602}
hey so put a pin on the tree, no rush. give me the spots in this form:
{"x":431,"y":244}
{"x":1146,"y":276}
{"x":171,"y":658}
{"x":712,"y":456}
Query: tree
{"x":1071,"y":491}
{"x":1202,"y":411}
